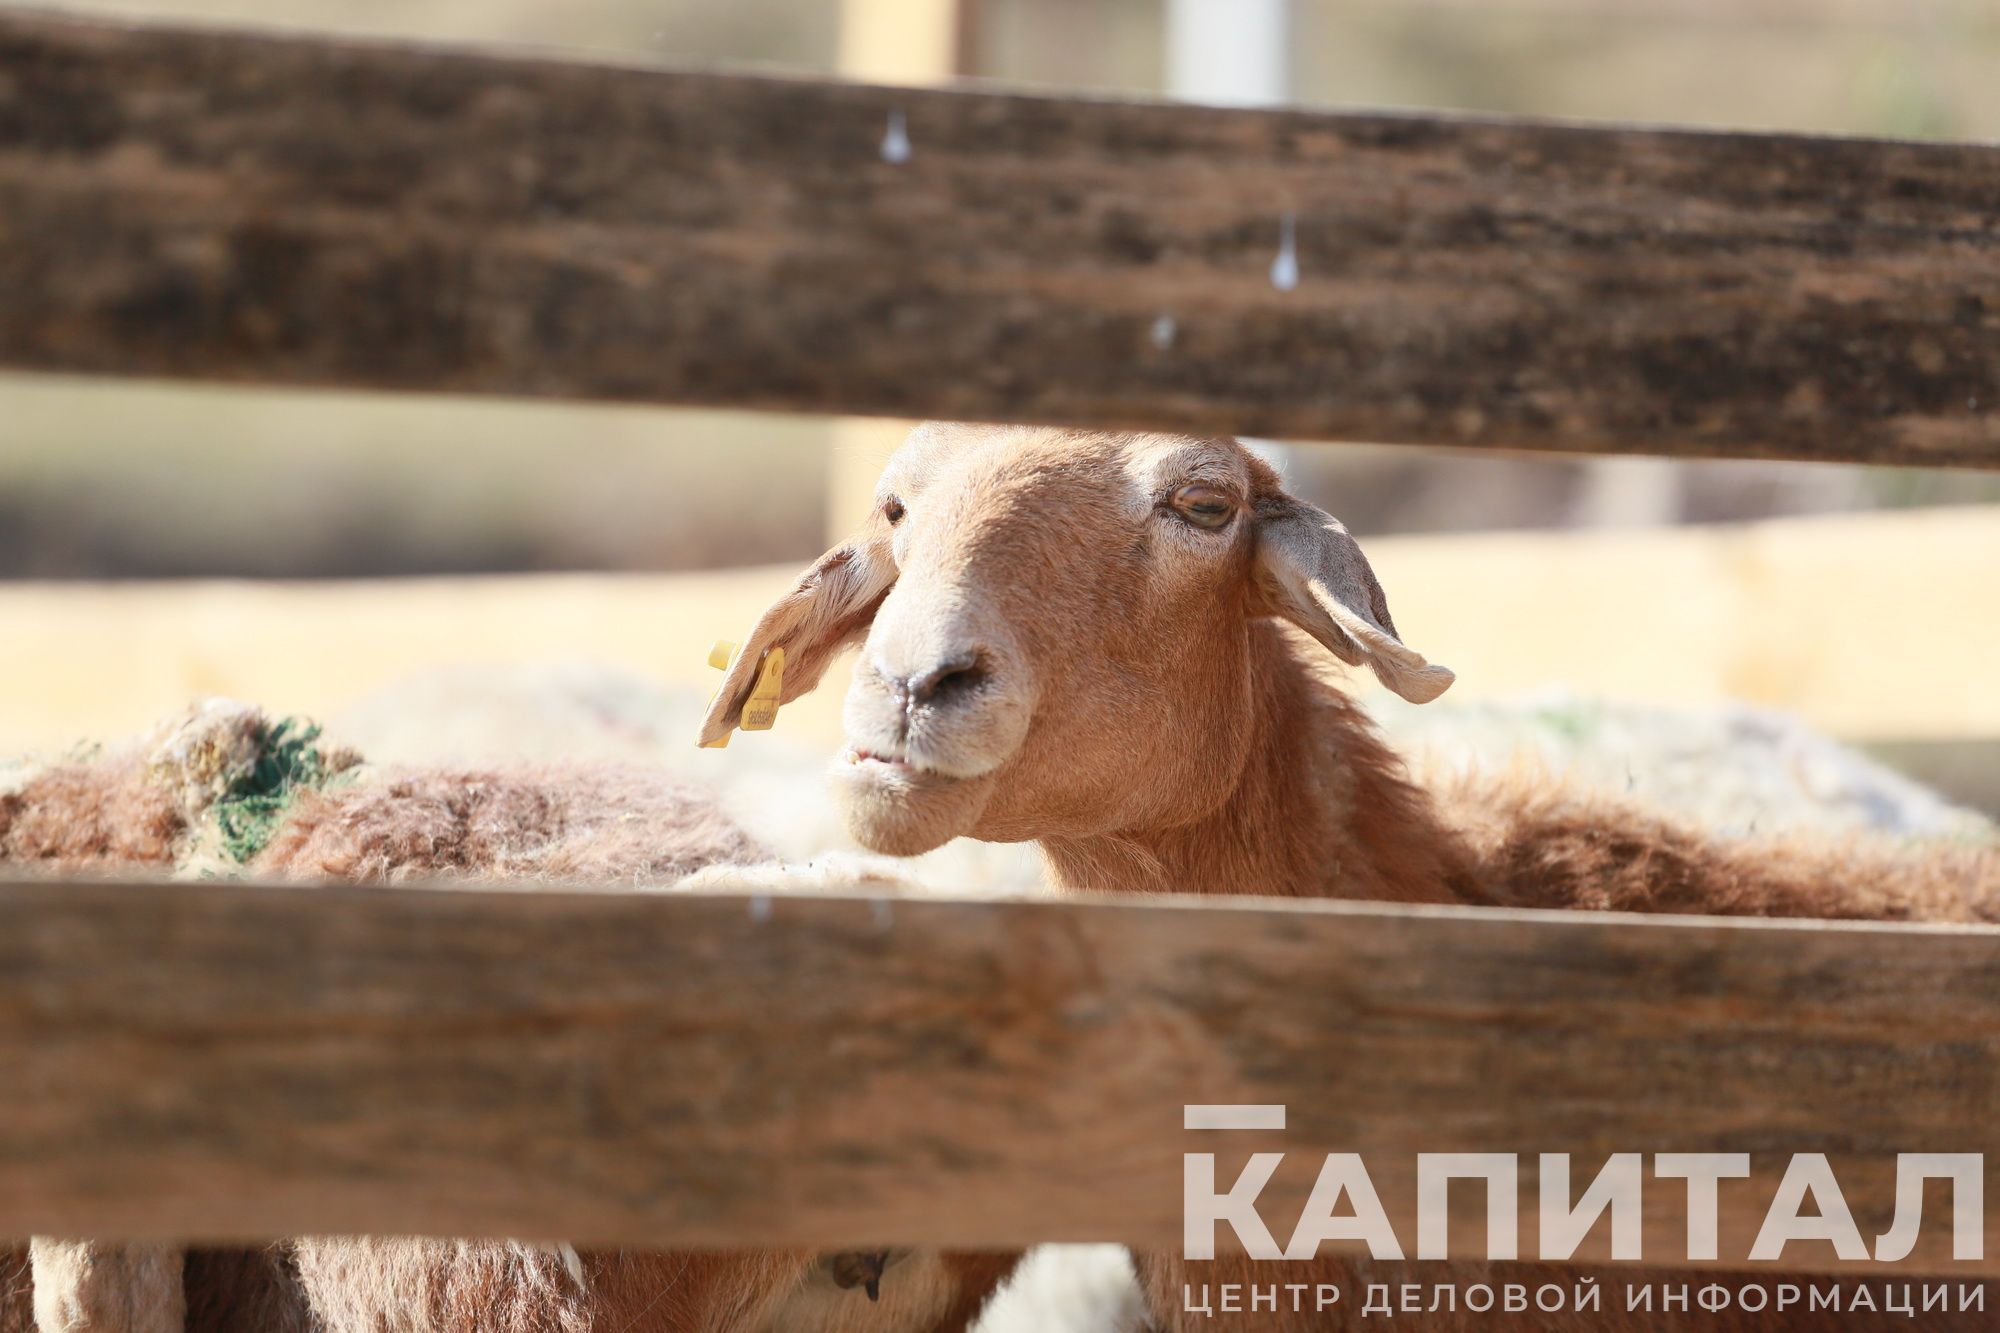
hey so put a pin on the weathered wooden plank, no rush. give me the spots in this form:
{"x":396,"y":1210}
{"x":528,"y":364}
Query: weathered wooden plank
{"x":230,"y":1061}
{"x":288,"y":210}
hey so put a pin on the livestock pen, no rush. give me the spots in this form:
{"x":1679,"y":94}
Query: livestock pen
{"x":198,"y":1061}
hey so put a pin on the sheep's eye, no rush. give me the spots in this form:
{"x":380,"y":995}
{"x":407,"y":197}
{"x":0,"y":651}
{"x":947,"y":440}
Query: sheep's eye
{"x":1203,"y":505}
{"x":892,"y":509}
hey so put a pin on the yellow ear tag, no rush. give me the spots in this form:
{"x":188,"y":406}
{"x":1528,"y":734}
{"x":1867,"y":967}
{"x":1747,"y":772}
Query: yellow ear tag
{"x":760,"y":710}
{"x":718,"y":657}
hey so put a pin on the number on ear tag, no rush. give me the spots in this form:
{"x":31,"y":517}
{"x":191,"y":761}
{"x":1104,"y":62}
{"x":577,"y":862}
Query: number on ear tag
{"x":760,"y":710}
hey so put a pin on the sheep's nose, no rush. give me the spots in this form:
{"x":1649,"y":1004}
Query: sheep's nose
{"x":941,"y":684}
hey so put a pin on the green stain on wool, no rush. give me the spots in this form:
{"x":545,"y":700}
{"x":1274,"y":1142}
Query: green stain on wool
{"x":1572,"y":723}
{"x":288,"y":762}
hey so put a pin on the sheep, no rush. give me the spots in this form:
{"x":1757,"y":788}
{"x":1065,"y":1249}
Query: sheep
{"x":168,"y":803}
{"x":1115,"y":645}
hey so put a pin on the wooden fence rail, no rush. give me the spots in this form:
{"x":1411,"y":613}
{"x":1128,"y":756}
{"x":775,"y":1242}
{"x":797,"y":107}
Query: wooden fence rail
{"x":302,"y":211}
{"x":228,"y":1061}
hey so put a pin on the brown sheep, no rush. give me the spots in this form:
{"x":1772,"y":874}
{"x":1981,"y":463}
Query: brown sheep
{"x":600,"y":825}
{"x":1106,"y":643}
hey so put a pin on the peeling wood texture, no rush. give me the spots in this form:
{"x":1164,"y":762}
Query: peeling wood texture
{"x":214,"y":1061}
{"x":287,"y":210}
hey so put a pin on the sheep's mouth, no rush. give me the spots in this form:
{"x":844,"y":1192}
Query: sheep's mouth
{"x":918,"y":766}
{"x":892,"y":776}
{"x":901,"y":807}
{"x":893,"y":762}
{"x":903,"y":770}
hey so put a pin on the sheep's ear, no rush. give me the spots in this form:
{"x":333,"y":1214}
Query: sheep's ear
{"x":829,"y":608}
{"x":1311,"y":572}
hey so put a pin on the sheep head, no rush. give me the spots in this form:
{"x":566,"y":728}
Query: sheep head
{"x":1056,"y":630}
